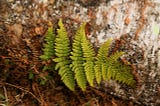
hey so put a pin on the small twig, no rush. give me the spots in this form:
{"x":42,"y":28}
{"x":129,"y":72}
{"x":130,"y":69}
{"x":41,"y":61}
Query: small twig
{"x":2,"y":104}
{"x":41,"y":97}
{"x":21,"y":88}
{"x":5,"y":93}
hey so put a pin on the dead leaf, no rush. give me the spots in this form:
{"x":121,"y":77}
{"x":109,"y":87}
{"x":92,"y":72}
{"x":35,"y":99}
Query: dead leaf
{"x":19,"y":9}
{"x":18,"y":28}
{"x":39,"y":30}
{"x":114,"y":102}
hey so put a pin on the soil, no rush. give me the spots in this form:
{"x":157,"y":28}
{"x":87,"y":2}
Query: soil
{"x":23,"y":24}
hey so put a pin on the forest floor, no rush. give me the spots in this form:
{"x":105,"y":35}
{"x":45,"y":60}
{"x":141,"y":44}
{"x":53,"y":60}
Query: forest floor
{"x":23,"y":24}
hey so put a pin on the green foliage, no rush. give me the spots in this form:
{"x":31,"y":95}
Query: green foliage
{"x":89,"y":57}
{"x":43,"y":79}
{"x":31,"y":75}
{"x":83,"y":59}
{"x":62,"y":52}
{"x":109,"y":67}
{"x":100,"y":64}
{"x":48,"y":50}
{"x":2,"y":97}
{"x":121,"y":73}
{"x":78,"y":62}
{"x":77,"y":58}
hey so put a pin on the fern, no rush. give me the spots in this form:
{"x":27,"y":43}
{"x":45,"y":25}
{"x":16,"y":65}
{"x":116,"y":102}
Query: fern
{"x":89,"y":57}
{"x":100,"y":64}
{"x":80,"y":63}
{"x":109,"y":67}
{"x":62,"y":51}
{"x":121,"y":73}
{"x":112,"y":63}
{"x":77,"y":58}
{"x":48,"y":51}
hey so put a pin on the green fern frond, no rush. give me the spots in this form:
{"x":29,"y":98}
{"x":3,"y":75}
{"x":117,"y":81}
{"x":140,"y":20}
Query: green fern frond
{"x":104,"y":50}
{"x":67,"y":76}
{"x":62,"y":51}
{"x":118,"y":71}
{"x":89,"y":72}
{"x":89,"y":57}
{"x":105,"y":66}
{"x":80,"y":78}
{"x":77,"y":58}
{"x":109,"y":61}
{"x":62,"y":63}
{"x":121,"y":73}
{"x":101,"y":62}
{"x":109,"y":67}
{"x":114,"y":57}
{"x":83,"y":57}
{"x":49,"y":45}
{"x":98,"y":71}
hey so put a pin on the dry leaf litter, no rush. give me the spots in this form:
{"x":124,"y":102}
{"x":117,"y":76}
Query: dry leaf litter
{"x":135,"y":22}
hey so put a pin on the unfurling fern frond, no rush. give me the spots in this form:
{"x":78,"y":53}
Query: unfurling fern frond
{"x":62,"y":51}
{"x":49,"y":45}
{"x":77,"y":58}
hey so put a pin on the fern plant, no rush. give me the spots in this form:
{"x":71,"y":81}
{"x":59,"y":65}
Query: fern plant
{"x":62,"y":52}
{"x":78,"y":62}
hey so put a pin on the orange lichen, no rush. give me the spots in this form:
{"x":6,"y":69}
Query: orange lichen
{"x":127,"y":20}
